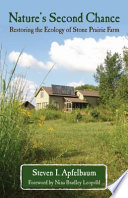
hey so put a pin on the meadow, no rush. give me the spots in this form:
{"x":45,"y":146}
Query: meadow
{"x":80,"y":143}
{"x":49,"y":136}
{"x":54,"y":137}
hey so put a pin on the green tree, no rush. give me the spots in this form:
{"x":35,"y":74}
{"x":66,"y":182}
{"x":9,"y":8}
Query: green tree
{"x":122,"y":90}
{"x":87,"y":87}
{"x":125,"y":59}
{"x":108,"y":76}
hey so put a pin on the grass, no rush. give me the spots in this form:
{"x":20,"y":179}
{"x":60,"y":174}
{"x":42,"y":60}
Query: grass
{"x":14,"y":134}
{"x":78,"y":137}
{"x":79,"y":143}
{"x":28,"y":139}
{"x":62,"y":142}
{"x":50,"y":136}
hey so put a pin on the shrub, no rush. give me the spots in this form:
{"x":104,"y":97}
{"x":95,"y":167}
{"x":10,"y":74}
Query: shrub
{"x":106,"y":114}
{"x":78,"y":116}
{"x":95,"y":113}
{"x":48,"y":114}
{"x":51,"y":107}
{"x":52,"y":115}
{"x":72,"y":117}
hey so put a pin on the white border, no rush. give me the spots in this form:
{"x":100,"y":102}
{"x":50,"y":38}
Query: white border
{"x":61,"y":165}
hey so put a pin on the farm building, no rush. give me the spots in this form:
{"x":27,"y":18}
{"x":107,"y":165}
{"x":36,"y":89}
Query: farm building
{"x":27,"y":105}
{"x":91,"y":97}
{"x":65,"y":97}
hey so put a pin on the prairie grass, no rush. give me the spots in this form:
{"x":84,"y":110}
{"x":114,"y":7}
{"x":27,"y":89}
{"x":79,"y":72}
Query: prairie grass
{"x":82,"y":143}
{"x":14,"y":134}
{"x":50,"y":136}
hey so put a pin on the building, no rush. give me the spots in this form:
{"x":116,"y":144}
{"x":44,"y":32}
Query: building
{"x":91,"y":97}
{"x":27,"y":105}
{"x":65,"y":97}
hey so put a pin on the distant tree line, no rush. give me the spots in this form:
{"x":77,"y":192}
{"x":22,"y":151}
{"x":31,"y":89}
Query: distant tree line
{"x":87,"y":87}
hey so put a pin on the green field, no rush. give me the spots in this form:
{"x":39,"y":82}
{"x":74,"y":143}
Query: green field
{"x":78,"y":143}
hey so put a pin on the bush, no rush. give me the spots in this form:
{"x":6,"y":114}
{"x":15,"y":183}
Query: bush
{"x":72,"y":117}
{"x":106,"y":115}
{"x":78,"y":116}
{"x":95,"y":113}
{"x":51,"y":107}
{"x":48,"y":114}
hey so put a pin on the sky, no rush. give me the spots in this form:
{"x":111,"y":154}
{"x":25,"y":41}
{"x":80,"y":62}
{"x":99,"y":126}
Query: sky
{"x":76,"y":55}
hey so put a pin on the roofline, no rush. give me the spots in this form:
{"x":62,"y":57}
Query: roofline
{"x":82,"y":101}
{"x":89,"y":91}
{"x":74,"y":96}
{"x":71,"y":96}
{"x":39,"y":90}
{"x":67,"y":95}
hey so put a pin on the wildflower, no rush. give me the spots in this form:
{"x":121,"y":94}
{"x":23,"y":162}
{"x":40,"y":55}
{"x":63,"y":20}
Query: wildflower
{"x":51,"y":129}
{"x":117,"y":111}
{"x":42,"y":118}
{"x":41,"y":124}
{"x":24,"y":112}
{"x":82,"y":113}
{"x":29,"y":114}
{"x":54,"y":136}
{"x":125,"y":112}
{"x":35,"y":145}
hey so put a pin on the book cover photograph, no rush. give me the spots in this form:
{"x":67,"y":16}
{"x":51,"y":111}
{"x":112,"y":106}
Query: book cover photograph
{"x":63,"y":99}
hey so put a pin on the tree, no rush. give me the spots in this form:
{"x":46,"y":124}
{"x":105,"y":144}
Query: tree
{"x":125,"y":59}
{"x":122,"y":90}
{"x":87,"y":87}
{"x":108,"y":76}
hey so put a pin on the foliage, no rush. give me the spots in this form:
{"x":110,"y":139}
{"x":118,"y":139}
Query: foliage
{"x":87,"y":87}
{"x":14,"y":134}
{"x":120,"y":137}
{"x":122,"y":90}
{"x":95,"y":113}
{"x":78,"y":116}
{"x":51,"y":107}
{"x":69,"y":116}
{"x":125,"y":58}
{"x":48,"y":114}
{"x":112,"y":77}
{"x":14,"y":141}
{"x":108,"y":76}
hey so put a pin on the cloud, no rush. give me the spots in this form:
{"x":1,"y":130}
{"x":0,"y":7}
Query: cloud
{"x":24,"y":88}
{"x":76,"y":84}
{"x":27,"y":60}
{"x":85,"y":54}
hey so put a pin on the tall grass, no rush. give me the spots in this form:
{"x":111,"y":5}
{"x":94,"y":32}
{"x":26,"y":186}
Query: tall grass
{"x":49,"y":114}
{"x":14,"y":140}
{"x":120,"y":137}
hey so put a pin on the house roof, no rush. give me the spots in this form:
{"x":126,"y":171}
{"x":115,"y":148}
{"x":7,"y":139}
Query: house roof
{"x":75,"y":100}
{"x":47,"y":89}
{"x":50,"y":92}
{"x":89,"y":93}
{"x":83,"y":92}
{"x":26,"y":104}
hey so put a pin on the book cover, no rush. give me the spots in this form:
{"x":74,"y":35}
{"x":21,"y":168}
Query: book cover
{"x":63,"y":98}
